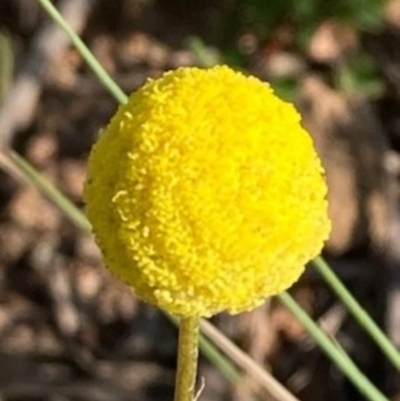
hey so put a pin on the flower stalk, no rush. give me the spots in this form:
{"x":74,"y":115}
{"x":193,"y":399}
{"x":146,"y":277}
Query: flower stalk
{"x":188,"y":348}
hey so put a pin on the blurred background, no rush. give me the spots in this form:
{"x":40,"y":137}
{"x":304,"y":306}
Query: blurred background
{"x":69,"y":331}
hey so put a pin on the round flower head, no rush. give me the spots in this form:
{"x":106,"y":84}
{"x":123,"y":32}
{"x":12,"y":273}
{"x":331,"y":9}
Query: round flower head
{"x":205,"y":193}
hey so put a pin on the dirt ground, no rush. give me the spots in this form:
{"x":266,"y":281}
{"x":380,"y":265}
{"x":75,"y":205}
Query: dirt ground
{"x":69,"y":331}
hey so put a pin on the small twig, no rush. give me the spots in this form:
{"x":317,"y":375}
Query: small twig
{"x":264,"y":378}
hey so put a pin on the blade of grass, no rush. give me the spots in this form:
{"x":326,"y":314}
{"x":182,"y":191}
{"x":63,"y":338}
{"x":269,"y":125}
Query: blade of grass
{"x":340,"y":358}
{"x":51,"y":192}
{"x":87,"y":55}
{"x":6,"y":63}
{"x":359,"y":313}
{"x":264,"y":378}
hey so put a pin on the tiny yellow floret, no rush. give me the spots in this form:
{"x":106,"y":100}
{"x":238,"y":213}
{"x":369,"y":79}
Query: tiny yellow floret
{"x":205,"y":193}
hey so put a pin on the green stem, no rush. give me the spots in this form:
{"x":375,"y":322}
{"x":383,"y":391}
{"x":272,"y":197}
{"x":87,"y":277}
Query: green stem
{"x":88,"y":56}
{"x":359,"y":313}
{"x":188,"y":349}
{"x":46,"y":187}
{"x":211,"y":350}
{"x":340,"y":358}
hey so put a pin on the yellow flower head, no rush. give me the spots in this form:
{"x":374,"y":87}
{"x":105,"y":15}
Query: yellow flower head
{"x":205,"y":193}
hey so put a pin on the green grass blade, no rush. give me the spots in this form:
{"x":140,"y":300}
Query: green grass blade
{"x":220,"y":362}
{"x":340,"y":358}
{"x":88,"y":56}
{"x":51,"y":192}
{"x":6,"y":63}
{"x":359,"y":313}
